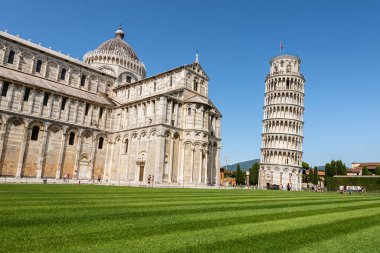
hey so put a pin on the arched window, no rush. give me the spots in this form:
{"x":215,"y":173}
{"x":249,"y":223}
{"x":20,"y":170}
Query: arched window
{"x":140,"y":90}
{"x":100,"y":144}
{"x":11,"y":57}
{"x":195,"y":85}
{"x":287,"y":84}
{"x":38,"y":66}
{"x":154,"y":86}
{"x":71,"y":138}
{"x":171,"y":81}
{"x":189,"y":111}
{"x":126,"y":146}
{"x":128,"y":79}
{"x":82,"y":80}
{"x":63,"y":74}
{"x":35,"y":132}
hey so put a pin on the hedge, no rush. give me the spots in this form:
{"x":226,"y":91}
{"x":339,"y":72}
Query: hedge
{"x":371,"y":184}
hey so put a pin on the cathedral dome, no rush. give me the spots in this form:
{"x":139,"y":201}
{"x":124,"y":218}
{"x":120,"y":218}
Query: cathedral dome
{"x":117,"y":46}
{"x":116,"y":57}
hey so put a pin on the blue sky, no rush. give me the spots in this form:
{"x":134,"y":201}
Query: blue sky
{"x":338,"y":42}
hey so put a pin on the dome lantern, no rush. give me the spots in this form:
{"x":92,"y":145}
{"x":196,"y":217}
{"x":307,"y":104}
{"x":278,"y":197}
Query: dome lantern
{"x":119,"y":33}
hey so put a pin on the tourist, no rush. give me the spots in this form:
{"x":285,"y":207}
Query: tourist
{"x":99,"y":178}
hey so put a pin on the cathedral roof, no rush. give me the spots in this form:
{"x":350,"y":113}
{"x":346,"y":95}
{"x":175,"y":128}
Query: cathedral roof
{"x":117,"y":46}
{"x":18,"y":76}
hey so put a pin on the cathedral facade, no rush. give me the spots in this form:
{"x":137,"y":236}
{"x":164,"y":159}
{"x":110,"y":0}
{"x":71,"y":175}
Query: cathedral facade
{"x":103,"y":118}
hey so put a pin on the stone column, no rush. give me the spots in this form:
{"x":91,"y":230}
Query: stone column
{"x":58,"y":72}
{"x":93,"y":157}
{"x":42,"y":154}
{"x":169,"y":121}
{"x":18,"y":63}
{"x":146,"y":162}
{"x":21,"y":100}
{"x":97,"y":116}
{"x":77,"y":156}
{"x":32,"y":65}
{"x":192,"y":164}
{"x":50,"y":105}
{"x":205,"y":180}
{"x":171,"y":158}
{"x":59,"y":107}
{"x":176,"y":114}
{"x":61,"y":155}
{"x":202,"y":118}
{"x":200,"y":166}
{"x":128,"y":156}
{"x":10,"y":95}
{"x":137,"y":174}
{"x":217,"y":167}
{"x":31,"y":101}
{"x":76,"y":111}
{"x":162,"y":111}
{"x":181,"y":162}
{"x":69,"y":101}
{"x":119,"y":163}
{"x":90,"y":114}
{"x":104,"y":116}
{"x":41,"y":109}
{"x":107,"y":163}
{"x":159,"y":170}
{"x":3,"y":56}
{"x":3,"y":134}
{"x":212,"y":160}
{"x":68,"y":76}
{"x":46,"y":67}
{"x":20,"y":162}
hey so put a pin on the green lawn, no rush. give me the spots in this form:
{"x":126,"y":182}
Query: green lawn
{"x":80,"y":218}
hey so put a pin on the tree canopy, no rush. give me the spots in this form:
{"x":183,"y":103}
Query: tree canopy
{"x":335,"y":168}
{"x":365,"y":171}
{"x":240,"y":176}
{"x":377,"y":170}
{"x":254,"y":174}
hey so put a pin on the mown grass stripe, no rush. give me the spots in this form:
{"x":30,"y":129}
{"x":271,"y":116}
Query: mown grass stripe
{"x":118,"y":219}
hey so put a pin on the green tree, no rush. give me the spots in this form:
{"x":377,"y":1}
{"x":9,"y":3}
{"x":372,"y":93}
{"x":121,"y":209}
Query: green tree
{"x":305,"y":165}
{"x":377,"y":170}
{"x":311,"y":175}
{"x":341,"y":168}
{"x":365,"y":171}
{"x":328,"y":172}
{"x":315,"y":176}
{"x":240,"y":176}
{"x":254,"y":174}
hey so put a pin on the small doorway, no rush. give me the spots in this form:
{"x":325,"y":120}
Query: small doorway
{"x":141,"y":177}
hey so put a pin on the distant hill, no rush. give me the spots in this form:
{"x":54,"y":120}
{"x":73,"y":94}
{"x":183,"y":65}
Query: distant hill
{"x":243,"y":165}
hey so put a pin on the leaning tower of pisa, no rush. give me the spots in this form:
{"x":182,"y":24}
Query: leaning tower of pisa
{"x":282,"y":136}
